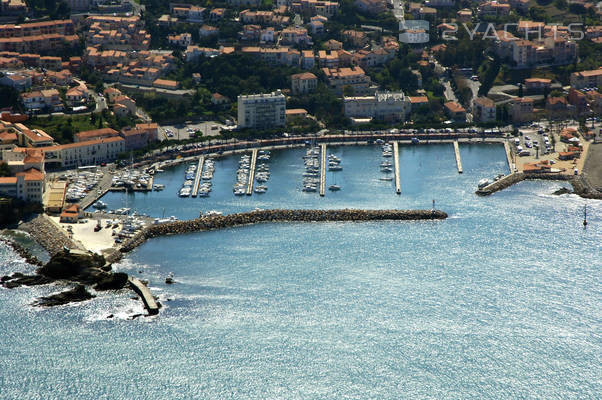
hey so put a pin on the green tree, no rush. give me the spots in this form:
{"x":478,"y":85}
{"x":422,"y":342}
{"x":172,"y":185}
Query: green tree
{"x":4,"y":169}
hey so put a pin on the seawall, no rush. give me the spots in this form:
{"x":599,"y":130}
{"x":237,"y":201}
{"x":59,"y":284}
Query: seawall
{"x":207,"y":223}
{"x":579,"y":183}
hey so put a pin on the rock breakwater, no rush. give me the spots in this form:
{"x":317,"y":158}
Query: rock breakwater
{"x":206,"y":223}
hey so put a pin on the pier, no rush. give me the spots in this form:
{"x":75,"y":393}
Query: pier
{"x":145,"y":294}
{"x":509,"y":157}
{"x":322,"y":169}
{"x":252,"y":172}
{"x":197,"y":178}
{"x":397,"y":177}
{"x":458,"y":159}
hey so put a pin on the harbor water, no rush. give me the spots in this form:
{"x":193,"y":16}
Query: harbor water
{"x":501,"y":300}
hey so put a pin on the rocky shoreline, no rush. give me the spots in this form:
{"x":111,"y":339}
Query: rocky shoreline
{"x":48,"y":235}
{"x":77,"y":267}
{"x":207,"y":223}
{"x":21,"y":251}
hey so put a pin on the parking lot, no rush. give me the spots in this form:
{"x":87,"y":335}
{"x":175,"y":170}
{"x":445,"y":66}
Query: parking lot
{"x":188,"y":130}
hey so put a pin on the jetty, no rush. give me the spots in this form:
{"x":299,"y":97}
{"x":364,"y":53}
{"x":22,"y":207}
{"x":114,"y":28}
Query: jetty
{"x":197,"y":178}
{"x":145,"y":294}
{"x":214,"y":222}
{"x":396,"y":157}
{"x":252,"y":172}
{"x":511,"y":166}
{"x":458,"y":159}
{"x":322,"y":169}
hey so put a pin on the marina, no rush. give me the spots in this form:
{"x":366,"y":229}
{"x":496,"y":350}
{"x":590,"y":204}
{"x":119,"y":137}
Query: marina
{"x":458,"y":159}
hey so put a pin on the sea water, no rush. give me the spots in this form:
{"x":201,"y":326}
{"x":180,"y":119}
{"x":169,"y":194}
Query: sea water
{"x":501,"y":300}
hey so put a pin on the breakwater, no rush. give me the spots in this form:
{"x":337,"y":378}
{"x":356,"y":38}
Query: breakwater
{"x":21,"y":251}
{"x":579,"y":183}
{"x":207,"y":223}
{"x":48,"y":235}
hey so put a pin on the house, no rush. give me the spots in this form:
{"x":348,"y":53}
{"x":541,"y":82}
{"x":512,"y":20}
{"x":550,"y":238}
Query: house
{"x":218,"y":99}
{"x":295,"y":114}
{"x":207,"y":31}
{"x":303,"y":83}
{"x":312,"y":8}
{"x":71,"y":214}
{"x":578,"y":99}
{"x":20,"y":82}
{"x":124,"y":106}
{"x":111,"y":94}
{"x":166,"y":84}
{"x":493,"y":9}
{"x":556,"y":105}
{"x":308,"y":59}
{"x":537,"y":84}
{"x":296,"y":36}
{"x":455,"y":111}
{"x":77,"y":95}
{"x":483,"y":109}
{"x":332,"y":44}
{"x":464,"y":15}
{"x":373,"y":7}
{"x":417,"y":102}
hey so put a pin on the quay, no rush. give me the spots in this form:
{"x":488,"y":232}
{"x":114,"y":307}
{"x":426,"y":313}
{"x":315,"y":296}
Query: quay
{"x":458,"y":160}
{"x":252,"y":172}
{"x":511,"y":165}
{"x":197,"y":178}
{"x":322,"y":169}
{"x":145,"y":294}
{"x":397,"y":177}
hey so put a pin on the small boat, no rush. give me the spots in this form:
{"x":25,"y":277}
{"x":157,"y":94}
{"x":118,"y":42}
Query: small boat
{"x":483,"y":183}
{"x":386,"y":178}
{"x":212,"y":213}
{"x":335,"y":168}
{"x":261,"y":189}
{"x":169,"y":280}
{"x":99,"y":205}
{"x":240,"y":192}
{"x":158,"y":187}
{"x":334,"y":188}
{"x":386,"y":169}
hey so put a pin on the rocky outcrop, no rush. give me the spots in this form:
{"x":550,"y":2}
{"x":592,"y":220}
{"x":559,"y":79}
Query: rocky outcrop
{"x":21,"y":251}
{"x":583,"y":188}
{"x":206,"y":223}
{"x":77,"y":294}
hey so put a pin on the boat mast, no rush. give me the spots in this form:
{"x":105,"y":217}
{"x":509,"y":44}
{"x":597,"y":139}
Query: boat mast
{"x":585,"y":215}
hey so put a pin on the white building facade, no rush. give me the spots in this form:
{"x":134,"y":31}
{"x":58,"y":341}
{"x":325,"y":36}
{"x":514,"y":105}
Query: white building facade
{"x":262,"y":111}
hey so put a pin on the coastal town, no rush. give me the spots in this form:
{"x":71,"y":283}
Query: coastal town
{"x":105,"y":94}
{"x":344,"y":198}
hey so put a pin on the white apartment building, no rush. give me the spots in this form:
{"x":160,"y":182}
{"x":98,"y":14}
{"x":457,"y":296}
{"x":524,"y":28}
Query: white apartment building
{"x":384,"y":106}
{"x":262,"y":111}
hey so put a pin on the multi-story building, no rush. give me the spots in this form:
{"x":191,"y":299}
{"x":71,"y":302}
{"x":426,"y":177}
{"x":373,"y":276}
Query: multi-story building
{"x":383,"y":106}
{"x":41,"y":100}
{"x":297,"y":36}
{"x":27,"y":167}
{"x":483,"y":110}
{"x":521,"y":109}
{"x":91,"y":152}
{"x":140,"y":136}
{"x":187,"y":12}
{"x":13,"y":7}
{"x":95,"y":134}
{"x":537,"y":84}
{"x":314,"y":7}
{"x":262,"y":111}
{"x":587,"y":79}
{"x":182,"y":40}
{"x":303,"y":83}
{"x":193,"y":53}
{"x":355,"y":78}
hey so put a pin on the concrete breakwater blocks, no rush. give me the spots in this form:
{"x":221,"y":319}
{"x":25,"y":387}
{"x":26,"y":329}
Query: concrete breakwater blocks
{"x":226,"y":221}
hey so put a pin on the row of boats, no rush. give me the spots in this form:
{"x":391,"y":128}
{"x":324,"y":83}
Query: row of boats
{"x":80,"y":184}
{"x":311,"y":176}
{"x":205,"y":185}
{"x":385,"y":166}
{"x":242,"y":175}
{"x":262,"y":173}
